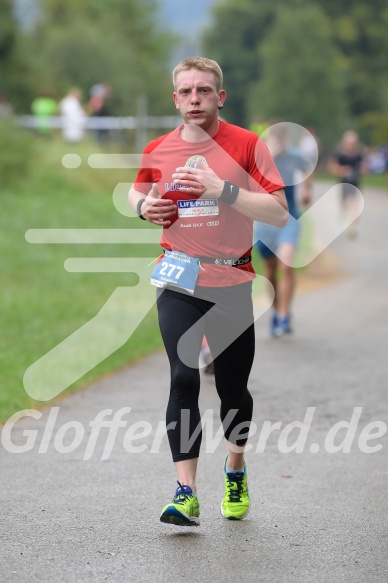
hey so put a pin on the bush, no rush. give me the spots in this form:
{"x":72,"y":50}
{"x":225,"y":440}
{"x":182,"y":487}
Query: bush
{"x":374,"y":128}
{"x":17,"y":153}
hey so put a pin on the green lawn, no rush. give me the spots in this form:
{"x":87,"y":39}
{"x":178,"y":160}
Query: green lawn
{"x":374,"y":180}
{"x":42,"y":303}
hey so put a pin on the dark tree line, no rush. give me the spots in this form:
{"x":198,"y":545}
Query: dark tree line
{"x":314,"y":62}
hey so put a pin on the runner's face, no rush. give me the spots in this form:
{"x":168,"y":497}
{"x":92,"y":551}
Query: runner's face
{"x":350,"y":142}
{"x":197,"y":99}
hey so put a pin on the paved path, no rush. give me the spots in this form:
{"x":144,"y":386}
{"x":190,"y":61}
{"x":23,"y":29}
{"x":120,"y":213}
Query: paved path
{"x":318,"y":517}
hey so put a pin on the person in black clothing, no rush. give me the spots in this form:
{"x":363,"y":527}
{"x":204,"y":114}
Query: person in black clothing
{"x":99,"y":106}
{"x":347,"y":164}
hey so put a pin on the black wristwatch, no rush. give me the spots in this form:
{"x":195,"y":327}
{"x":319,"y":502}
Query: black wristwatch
{"x":138,"y":209}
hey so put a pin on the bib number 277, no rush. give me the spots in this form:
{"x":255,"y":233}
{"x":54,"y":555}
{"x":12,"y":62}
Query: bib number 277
{"x":176,"y":269}
{"x":168,"y":269}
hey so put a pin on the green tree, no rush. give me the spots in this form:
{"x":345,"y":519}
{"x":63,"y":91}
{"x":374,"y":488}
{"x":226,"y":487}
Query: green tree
{"x":233,"y":42}
{"x":360,"y":29}
{"x":80,"y":44}
{"x":7,"y":31}
{"x":11,"y":68}
{"x":301,"y":77}
{"x":357,"y":29}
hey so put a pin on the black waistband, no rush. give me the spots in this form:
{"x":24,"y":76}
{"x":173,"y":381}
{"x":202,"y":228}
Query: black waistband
{"x":232,"y":261}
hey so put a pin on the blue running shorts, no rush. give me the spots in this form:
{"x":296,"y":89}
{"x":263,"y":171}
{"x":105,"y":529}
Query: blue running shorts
{"x":268,"y":239}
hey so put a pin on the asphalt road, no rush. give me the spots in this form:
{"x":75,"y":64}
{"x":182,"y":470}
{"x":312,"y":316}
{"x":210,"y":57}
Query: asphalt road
{"x":316,"y":515}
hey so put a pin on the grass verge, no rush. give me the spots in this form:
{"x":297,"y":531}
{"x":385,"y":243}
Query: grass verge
{"x":42,"y":303}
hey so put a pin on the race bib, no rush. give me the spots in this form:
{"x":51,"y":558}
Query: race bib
{"x":176,"y":269}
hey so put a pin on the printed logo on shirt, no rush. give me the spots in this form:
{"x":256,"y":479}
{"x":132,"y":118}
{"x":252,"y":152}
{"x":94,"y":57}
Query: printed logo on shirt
{"x":197,"y":207}
{"x":192,"y":162}
{"x":173,"y":186}
{"x":195,"y":161}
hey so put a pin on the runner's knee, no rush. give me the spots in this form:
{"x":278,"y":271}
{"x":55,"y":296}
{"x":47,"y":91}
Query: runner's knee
{"x":185,"y":384}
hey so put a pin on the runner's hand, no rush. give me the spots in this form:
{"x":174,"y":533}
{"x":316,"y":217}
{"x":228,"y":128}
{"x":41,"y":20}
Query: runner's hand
{"x":199,"y":181}
{"x":157,"y":210}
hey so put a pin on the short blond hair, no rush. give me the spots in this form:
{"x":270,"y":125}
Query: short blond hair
{"x":202,"y":64}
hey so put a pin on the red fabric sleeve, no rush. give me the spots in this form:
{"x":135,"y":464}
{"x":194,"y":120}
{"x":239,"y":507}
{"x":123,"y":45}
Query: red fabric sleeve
{"x":268,"y":177}
{"x":147,"y":175}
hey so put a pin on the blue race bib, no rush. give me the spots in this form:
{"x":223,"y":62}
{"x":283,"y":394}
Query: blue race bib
{"x":176,"y":269}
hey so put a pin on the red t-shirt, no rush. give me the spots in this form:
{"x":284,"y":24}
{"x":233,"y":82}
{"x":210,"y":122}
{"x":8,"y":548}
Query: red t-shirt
{"x":204,"y":226}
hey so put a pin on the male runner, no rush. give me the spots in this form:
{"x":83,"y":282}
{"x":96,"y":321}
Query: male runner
{"x":278,"y":246}
{"x":348,"y":164}
{"x":205,"y":183}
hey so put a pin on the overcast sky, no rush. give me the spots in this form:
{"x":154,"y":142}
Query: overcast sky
{"x":186,"y":16}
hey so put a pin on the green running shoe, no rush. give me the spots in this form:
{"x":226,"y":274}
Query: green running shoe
{"x":184,"y":508}
{"x":235,"y":505}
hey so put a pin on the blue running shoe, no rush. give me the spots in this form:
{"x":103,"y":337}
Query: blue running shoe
{"x":273,"y":324}
{"x":184,"y":508}
{"x":283,"y":326}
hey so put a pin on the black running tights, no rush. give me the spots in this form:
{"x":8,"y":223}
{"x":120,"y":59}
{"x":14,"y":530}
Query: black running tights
{"x":225,"y":317}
